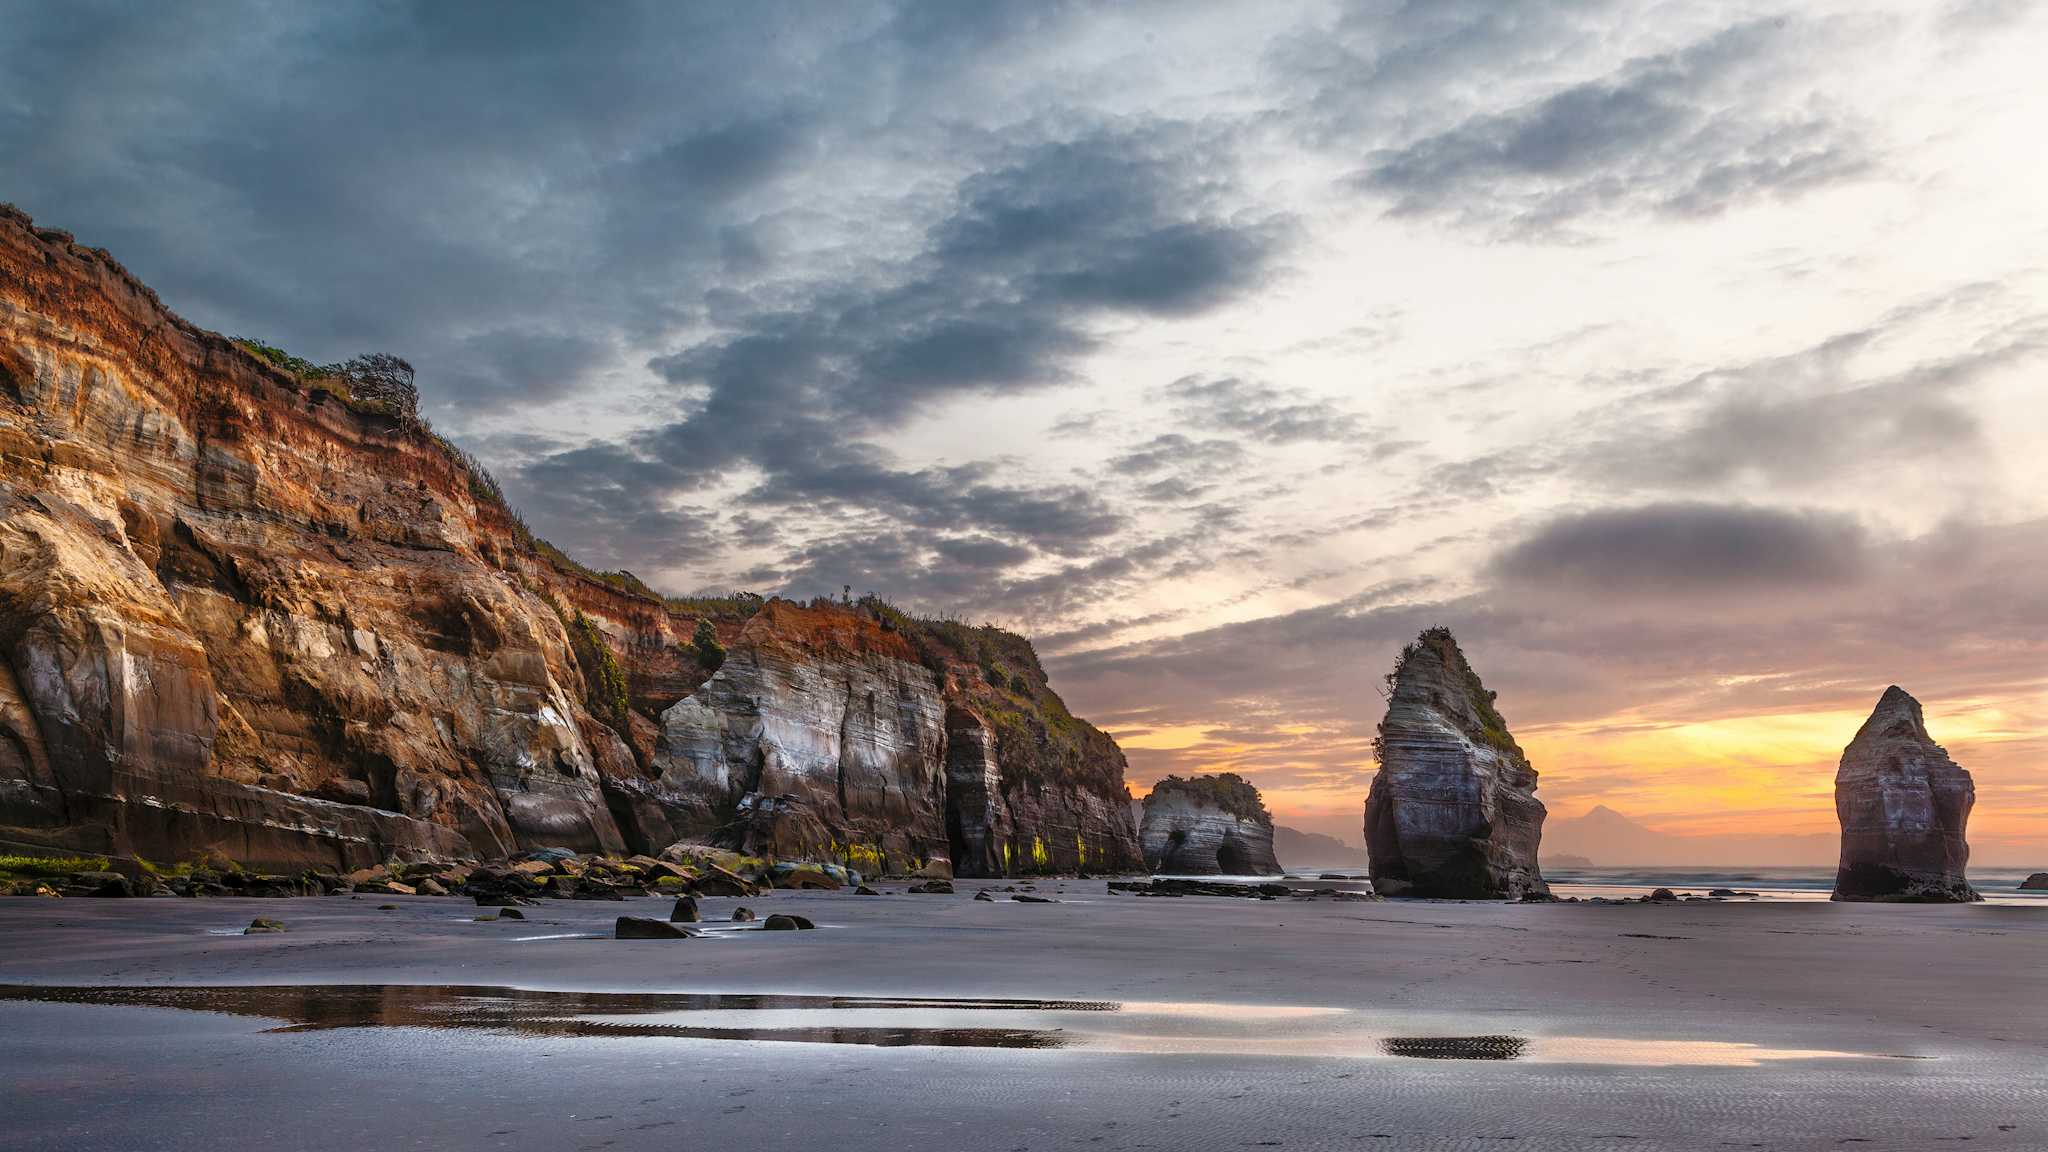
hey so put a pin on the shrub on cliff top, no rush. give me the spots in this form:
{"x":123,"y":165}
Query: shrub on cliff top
{"x":710,"y":653}
{"x":1492,"y":728}
{"x":1225,"y":790}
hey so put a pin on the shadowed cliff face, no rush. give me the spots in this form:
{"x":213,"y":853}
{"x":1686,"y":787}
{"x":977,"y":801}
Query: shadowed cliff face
{"x":241,"y":613}
{"x":1208,"y":826}
{"x":1453,"y":810}
{"x":1904,"y":807}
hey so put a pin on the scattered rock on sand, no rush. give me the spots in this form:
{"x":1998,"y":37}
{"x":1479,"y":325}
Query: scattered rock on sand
{"x":1661,"y":896}
{"x":642,"y":928}
{"x":864,"y":890}
{"x":942,"y":887}
{"x":511,"y":914}
{"x":742,"y":915}
{"x":1033,"y":900}
{"x":785,"y":922}
{"x":984,"y":896}
{"x":263,"y":924}
{"x":685,"y":911}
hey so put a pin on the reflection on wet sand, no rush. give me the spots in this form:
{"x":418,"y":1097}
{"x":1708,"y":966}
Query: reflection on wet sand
{"x":1159,"y":1028}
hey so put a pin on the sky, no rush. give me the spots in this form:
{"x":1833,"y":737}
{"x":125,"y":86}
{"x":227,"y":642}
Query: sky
{"x":1686,"y":359}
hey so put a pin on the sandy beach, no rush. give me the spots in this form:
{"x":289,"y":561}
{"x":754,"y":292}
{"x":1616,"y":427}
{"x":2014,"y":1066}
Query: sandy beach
{"x":1164,"y":1023}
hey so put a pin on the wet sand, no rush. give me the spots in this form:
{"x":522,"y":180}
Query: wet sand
{"x":1101,"y":1022}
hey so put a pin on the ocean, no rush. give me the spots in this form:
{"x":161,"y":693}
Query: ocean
{"x":1998,"y":885}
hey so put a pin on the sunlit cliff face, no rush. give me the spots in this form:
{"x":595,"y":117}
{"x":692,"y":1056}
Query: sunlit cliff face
{"x":1685,"y":359}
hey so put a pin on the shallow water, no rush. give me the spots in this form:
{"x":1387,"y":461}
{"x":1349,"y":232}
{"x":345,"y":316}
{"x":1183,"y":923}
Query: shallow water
{"x":1136,"y":1027}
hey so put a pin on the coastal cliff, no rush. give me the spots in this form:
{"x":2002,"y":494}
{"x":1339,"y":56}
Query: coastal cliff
{"x":1207,"y":826}
{"x":1905,"y":809}
{"x":1453,"y":809}
{"x":256,"y":608}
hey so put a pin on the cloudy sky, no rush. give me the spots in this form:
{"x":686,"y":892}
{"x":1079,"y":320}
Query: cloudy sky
{"x":1687,"y":359}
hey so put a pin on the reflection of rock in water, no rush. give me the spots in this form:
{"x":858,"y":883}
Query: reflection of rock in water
{"x":309,"y":1008}
{"x":1455,"y":1047}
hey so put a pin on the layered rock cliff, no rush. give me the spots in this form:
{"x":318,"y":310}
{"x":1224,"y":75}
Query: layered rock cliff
{"x":1208,"y":826}
{"x":249,"y":608}
{"x":1453,"y":810}
{"x":1904,"y":807}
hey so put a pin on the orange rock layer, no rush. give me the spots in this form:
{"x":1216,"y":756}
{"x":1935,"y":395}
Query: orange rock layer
{"x":240,"y":614}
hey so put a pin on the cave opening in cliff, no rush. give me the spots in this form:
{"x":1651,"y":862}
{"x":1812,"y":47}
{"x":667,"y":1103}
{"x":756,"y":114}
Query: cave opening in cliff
{"x":1232,"y":859}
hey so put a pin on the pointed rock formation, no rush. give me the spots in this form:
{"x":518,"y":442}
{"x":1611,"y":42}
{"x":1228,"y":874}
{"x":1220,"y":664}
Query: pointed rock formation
{"x":1208,"y":826}
{"x":1453,"y":811}
{"x":1904,"y":806}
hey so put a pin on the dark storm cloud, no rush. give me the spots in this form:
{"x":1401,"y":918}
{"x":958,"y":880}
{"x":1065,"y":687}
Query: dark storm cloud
{"x":413,"y":177}
{"x":1686,"y":549}
{"x":1689,"y":132}
{"x":1002,"y":297}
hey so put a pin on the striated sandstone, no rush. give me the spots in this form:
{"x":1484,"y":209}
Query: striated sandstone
{"x":1904,"y":808}
{"x":1453,"y":810}
{"x":1208,"y":826}
{"x":245,"y":611}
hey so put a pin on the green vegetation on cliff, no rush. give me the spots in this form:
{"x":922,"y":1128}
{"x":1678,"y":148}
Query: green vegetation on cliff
{"x":1479,"y":718}
{"x":1225,"y":790}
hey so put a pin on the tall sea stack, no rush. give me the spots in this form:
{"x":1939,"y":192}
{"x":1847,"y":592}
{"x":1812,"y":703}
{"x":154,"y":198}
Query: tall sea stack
{"x":1453,"y":811}
{"x":1208,"y":826}
{"x":1904,"y":806}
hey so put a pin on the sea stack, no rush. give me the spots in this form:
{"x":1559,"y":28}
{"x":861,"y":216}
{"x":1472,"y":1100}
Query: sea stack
{"x":1904,"y":806}
{"x":1208,"y":826}
{"x":1453,"y":811}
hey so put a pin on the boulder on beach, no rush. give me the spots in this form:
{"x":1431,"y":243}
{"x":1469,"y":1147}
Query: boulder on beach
{"x":685,"y":911}
{"x":1208,"y":826}
{"x":786,"y":922}
{"x":1453,"y":811}
{"x":1904,"y":807}
{"x":642,"y":928}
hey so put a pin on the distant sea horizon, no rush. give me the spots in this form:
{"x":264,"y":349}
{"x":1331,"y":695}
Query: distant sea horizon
{"x":1769,"y":883}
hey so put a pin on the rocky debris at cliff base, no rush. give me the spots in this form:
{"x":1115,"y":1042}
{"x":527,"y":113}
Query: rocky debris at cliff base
{"x":1177,"y":887}
{"x":1904,"y":808}
{"x":644,"y":928}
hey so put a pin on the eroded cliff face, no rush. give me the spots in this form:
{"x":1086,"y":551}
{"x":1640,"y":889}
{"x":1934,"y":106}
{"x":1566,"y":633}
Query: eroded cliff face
{"x":1453,"y":810}
{"x":1905,"y":808}
{"x":821,"y":737}
{"x":855,"y":734}
{"x":1208,"y":826}
{"x":244,"y":612}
